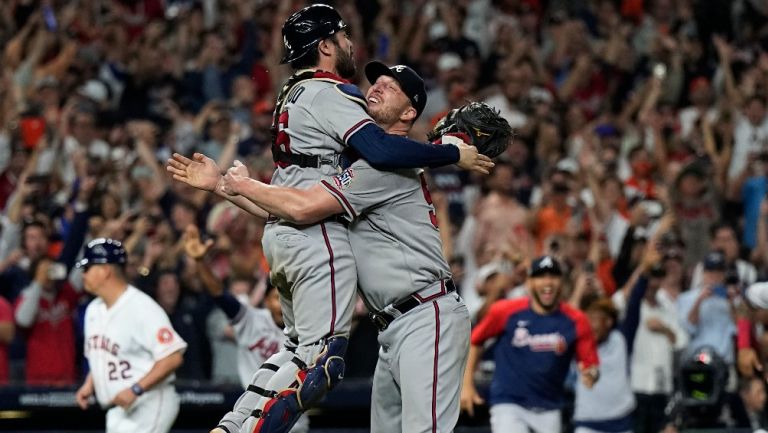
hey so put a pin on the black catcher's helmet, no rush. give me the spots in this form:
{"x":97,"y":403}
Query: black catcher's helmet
{"x":307,"y":27}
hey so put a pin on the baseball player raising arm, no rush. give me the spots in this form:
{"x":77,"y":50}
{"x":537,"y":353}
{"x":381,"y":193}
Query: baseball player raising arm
{"x":131,"y":348}
{"x":538,"y":338}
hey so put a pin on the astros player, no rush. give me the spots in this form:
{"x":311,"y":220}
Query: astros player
{"x":258,"y":331}
{"x":132,"y":349}
{"x":318,"y":116}
{"x":538,"y":338}
{"x":424,"y":325}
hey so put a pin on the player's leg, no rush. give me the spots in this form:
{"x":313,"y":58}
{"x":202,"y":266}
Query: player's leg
{"x":154,"y":411}
{"x":233,"y":421}
{"x":506,"y":418}
{"x":319,"y":264}
{"x":433,"y":353}
{"x":541,"y":421}
{"x":386,"y":402}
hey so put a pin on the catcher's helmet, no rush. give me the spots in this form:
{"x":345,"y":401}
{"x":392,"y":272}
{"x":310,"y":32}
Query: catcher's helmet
{"x":307,"y":27}
{"x":102,"y":251}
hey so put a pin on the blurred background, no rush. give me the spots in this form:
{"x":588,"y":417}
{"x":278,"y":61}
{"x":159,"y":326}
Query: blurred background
{"x":627,"y":113}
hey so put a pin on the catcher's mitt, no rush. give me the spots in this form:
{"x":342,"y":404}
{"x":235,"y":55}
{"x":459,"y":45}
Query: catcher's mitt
{"x":490,"y":132}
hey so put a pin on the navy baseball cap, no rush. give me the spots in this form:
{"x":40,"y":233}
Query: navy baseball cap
{"x":714,"y":261}
{"x":103,"y":251}
{"x":545,"y":265}
{"x":411,"y":83}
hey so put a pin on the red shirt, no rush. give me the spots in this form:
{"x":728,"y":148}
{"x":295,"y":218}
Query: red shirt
{"x":51,"y":340}
{"x":6,"y":316}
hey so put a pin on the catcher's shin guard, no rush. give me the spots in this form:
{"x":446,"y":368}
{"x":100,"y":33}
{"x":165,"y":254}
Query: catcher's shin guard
{"x":311,"y":385}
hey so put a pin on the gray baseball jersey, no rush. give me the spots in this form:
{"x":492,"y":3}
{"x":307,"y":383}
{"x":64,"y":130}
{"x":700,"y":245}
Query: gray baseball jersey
{"x":423,"y":353}
{"x":394,"y":221}
{"x":311,"y":266}
{"x":318,"y":118}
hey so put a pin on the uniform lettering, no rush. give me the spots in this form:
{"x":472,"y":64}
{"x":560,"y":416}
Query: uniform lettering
{"x":102,"y":342}
{"x":552,"y":342}
{"x":265,"y":347}
{"x":295,"y":93}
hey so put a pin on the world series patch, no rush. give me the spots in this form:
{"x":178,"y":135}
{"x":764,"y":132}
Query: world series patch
{"x":344,"y":179}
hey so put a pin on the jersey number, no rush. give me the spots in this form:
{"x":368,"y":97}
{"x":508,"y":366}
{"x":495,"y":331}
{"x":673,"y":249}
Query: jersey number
{"x":282,"y":140}
{"x":124,"y":368}
{"x":428,"y":198}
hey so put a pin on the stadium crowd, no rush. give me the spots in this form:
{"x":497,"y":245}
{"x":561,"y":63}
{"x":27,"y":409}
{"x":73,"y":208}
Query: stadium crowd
{"x":641,"y":154}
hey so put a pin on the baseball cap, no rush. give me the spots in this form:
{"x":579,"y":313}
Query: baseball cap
{"x":411,"y":83}
{"x":714,"y":261}
{"x":103,"y":251}
{"x":757,"y":295}
{"x":545,"y":265}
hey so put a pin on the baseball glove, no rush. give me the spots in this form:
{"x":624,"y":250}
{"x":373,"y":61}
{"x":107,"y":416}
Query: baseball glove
{"x":490,"y":132}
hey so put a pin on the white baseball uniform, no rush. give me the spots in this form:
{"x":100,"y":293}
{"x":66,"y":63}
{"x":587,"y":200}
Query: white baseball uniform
{"x":122,"y":344}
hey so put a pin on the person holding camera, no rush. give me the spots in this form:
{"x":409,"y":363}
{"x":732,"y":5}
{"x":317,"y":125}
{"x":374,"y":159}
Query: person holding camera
{"x":45,"y":312}
{"x":724,"y":237}
{"x":712,"y":299}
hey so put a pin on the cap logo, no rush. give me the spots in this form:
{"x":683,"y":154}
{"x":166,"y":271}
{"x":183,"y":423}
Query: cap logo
{"x":99,"y":250}
{"x":416,"y":98}
{"x":399,"y":68}
{"x":546,"y":262}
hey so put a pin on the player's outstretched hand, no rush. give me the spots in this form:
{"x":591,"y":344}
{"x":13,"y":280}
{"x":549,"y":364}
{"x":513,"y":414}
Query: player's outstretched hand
{"x":232,"y":180}
{"x":200,"y":172}
{"x":193,"y":247}
{"x":470,"y":159}
{"x":239,"y":169}
{"x":84,"y":394}
{"x":124,"y":398}
{"x":469,"y":399}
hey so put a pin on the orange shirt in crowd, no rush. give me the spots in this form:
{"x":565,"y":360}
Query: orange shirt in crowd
{"x":550,"y":221}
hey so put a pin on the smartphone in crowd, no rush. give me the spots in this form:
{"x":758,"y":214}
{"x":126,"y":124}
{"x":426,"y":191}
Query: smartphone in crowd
{"x":32,"y":129}
{"x":57,"y":272}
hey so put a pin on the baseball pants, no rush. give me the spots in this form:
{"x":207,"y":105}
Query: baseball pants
{"x":153,"y":412}
{"x":422,"y":356}
{"x":314,"y":272}
{"x":513,"y":418}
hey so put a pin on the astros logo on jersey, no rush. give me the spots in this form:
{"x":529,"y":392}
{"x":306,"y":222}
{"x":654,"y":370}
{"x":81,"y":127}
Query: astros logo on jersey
{"x":164,"y":335}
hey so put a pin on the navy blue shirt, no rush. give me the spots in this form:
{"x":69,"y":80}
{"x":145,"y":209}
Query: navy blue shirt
{"x":534,"y":352}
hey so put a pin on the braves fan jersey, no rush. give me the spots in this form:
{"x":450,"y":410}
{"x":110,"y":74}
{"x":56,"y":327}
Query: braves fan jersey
{"x":534,"y":352}
{"x":258,"y":337}
{"x":318,"y":118}
{"x":123,"y":342}
{"x":394,"y":224}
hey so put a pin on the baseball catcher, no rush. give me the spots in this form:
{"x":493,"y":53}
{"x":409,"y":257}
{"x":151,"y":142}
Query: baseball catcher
{"x":490,"y":132}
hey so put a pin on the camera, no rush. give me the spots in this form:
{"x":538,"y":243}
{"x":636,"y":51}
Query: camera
{"x":57,"y":272}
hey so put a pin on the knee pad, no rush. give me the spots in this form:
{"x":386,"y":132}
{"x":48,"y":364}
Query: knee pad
{"x":311,"y":385}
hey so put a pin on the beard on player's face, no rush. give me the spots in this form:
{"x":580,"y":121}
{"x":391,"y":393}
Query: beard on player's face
{"x":545,"y":291}
{"x":345,"y":60}
{"x":386,"y":105}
